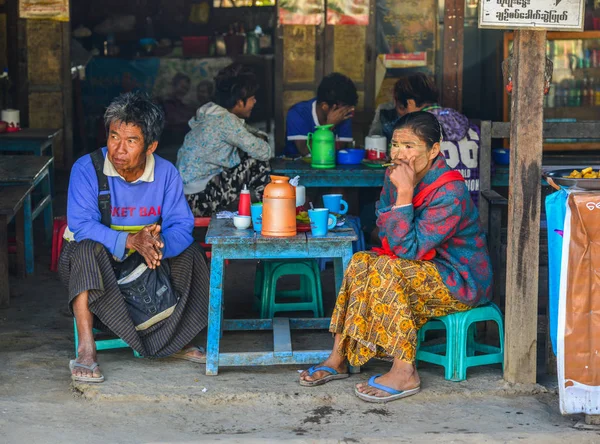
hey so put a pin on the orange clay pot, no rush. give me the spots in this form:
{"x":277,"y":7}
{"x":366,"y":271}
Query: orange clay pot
{"x":279,"y":208}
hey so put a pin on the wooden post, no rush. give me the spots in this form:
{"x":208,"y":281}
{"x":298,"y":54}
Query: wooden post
{"x":4,"y":288}
{"x":524,"y":204}
{"x":454,"y":18}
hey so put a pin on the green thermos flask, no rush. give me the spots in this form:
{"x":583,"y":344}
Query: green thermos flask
{"x":321,"y":145}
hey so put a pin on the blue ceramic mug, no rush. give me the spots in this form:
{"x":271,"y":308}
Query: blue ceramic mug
{"x":321,"y":221}
{"x":256,"y":210}
{"x":335,"y":204}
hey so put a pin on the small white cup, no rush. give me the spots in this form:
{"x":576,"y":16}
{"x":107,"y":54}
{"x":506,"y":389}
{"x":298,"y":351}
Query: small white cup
{"x":242,"y":222}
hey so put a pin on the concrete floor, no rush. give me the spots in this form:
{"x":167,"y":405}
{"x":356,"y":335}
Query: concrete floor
{"x":148,"y":401}
{"x":145,"y":400}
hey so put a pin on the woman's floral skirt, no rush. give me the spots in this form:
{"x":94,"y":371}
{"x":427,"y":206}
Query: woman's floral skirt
{"x":382,"y":304}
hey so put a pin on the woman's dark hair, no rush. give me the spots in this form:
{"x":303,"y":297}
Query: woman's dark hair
{"x":337,"y":89}
{"x":179,"y":77}
{"x":425,"y":125}
{"x":137,"y":108}
{"x":233,"y":83}
{"x":418,"y":87}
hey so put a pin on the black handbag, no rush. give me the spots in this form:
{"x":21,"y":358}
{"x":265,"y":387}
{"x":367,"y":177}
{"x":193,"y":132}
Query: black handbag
{"x":148,"y":293}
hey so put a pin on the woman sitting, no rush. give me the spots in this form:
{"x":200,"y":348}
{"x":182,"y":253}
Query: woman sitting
{"x":433,"y":262}
{"x":461,"y":144}
{"x":221,"y":153}
{"x":126,"y":206}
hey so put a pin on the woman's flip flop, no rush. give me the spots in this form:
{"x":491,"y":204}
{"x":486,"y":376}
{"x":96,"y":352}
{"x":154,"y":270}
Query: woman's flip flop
{"x":74,"y":364}
{"x":333,"y":375}
{"x":394,"y":394}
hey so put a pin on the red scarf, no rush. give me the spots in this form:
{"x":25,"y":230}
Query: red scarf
{"x":448,"y":176}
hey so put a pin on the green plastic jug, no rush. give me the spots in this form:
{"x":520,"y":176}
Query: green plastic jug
{"x":321,"y":145}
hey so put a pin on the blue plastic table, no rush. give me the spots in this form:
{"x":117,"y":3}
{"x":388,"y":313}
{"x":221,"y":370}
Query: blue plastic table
{"x":35,"y":141}
{"x":31,"y":171}
{"x":340,"y":176}
{"x":13,"y":202}
{"x":231,"y":243}
{"x":350,"y":175}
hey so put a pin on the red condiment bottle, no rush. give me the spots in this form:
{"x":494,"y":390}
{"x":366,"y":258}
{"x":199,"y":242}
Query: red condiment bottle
{"x":244,"y":205}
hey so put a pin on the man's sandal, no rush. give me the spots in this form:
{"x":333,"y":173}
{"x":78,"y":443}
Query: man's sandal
{"x":74,"y":364}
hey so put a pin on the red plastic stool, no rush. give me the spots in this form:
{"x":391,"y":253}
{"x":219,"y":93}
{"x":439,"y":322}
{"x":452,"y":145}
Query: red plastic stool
{"x":12,"y":245}
{"x":58,"y":231}
{"x":203,"y":222}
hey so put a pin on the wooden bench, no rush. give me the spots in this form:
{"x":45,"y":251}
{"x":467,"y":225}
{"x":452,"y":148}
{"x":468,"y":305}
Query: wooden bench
{"x":491,"y":207}
{"x":14,"y":201}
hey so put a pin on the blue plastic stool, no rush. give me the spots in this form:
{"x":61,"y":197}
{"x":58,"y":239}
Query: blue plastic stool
{"x":309,"y":296}
{"x":104,"y":344}
{"x":461,"y":346}
{"x":357,"y":245}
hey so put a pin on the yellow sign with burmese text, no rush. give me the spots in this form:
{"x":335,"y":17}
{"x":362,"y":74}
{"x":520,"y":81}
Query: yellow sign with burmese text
{"x":44,"y":9}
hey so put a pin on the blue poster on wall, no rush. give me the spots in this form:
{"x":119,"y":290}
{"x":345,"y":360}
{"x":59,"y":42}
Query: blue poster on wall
{"x":106,"y":78}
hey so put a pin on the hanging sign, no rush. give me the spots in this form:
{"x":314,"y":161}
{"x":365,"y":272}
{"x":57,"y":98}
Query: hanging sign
{"x":301,"y":12}
{"x":348,"y":12}
{"x":558,"y":15}
{"x":44,"y":9}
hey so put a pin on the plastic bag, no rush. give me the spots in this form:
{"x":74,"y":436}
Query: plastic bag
{"x":579,"y":307}
{"x":556,"y":204}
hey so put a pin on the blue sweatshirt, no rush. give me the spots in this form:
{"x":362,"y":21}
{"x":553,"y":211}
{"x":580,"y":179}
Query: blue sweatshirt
{"x":133,"y":206}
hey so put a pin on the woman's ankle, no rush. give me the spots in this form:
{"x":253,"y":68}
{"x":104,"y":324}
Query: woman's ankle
{"x":336,"y":360}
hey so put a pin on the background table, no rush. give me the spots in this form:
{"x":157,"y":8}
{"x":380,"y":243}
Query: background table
{"x":30,"y":140}
{"x":37,"y":141}
{"x":31,"y":171}
{"x":231,"y":243}
{"x":13,"y":202}
{"x":340,"y":176}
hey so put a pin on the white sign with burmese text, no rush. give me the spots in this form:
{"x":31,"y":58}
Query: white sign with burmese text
{"x":559,"y":15}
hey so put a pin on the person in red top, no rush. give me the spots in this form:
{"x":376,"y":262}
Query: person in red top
{"x":433,"y":262}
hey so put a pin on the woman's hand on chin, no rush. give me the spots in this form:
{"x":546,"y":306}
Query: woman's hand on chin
{"x":403,"y":176}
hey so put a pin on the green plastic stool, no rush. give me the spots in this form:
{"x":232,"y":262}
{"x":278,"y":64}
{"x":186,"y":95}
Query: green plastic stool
{"x":461,"y":346}
{"x":309,"y":296}
{"x":104,"y":344}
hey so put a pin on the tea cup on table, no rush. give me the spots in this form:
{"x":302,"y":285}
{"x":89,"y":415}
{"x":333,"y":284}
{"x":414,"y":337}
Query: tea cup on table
{"x":321,"y":221}
{"x":241,"y":222}
{"x":335,"y":204}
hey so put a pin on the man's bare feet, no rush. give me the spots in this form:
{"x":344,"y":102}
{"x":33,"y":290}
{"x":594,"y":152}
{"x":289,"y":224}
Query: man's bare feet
{"x":402,"y":376}
{"x":87,"y":357}
{"x":194,"y":352}
{"x":191,"y":353}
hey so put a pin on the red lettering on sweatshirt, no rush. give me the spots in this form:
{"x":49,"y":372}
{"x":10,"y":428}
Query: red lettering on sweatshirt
{"x":130,"y":211}
{"x":122,"y":211}
{"x":147,"y":212}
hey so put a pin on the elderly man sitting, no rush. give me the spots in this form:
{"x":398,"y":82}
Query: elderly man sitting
{"x":130,"y":231}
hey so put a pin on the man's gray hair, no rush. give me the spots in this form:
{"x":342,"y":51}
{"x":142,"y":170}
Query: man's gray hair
{"x":137,"y":108}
